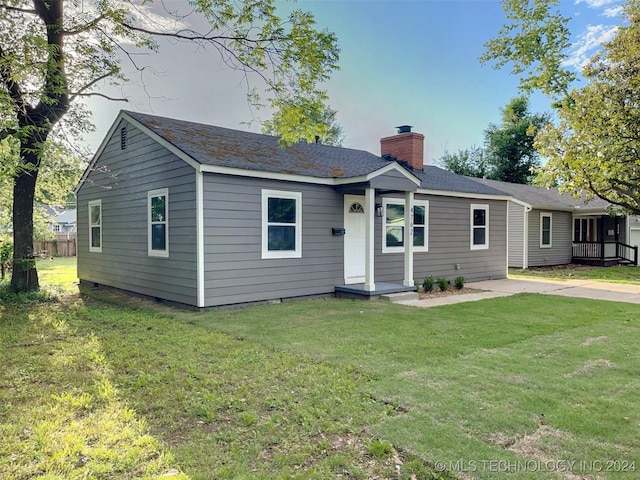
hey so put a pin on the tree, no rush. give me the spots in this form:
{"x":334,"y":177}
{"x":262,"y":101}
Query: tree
{"x":317,"y":122}
{"x":509,"y":154}
{"x":471,"y":162}
{"x":510,"y":147}
{"x":594,"y":147}
{"x":53,"y":55}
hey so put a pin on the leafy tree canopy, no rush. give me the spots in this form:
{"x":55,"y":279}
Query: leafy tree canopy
{"x":471,"y":162}
{"x":593,"y":148}
{"x":306,"y":124}
{"x":55,"y":54}
{"x":509,"y":154}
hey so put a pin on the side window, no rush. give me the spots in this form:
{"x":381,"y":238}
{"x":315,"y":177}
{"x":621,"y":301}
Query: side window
{"x":546,"y":222}
{"x":281,"y":224}
{"x":479,"y":227}
{"x":394,"y":225}
{"x":95,"y":226}
{"x":158,"y":222}
{"x":421,"y":226}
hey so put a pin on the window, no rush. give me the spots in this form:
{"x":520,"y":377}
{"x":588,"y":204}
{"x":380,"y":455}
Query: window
{"x":281,"y":224}
{"x":585,"y":230}
{"x":394,"y":225}
{"x":479,"y":227}
{"x":545,"y":230}
{"x":56,"y":227}
{"x":95,"y":226}
{"x":158,"y":222}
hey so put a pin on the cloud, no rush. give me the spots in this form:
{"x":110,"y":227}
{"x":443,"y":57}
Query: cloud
{"x":588,"y":42}
{"x":614,"y":11}
{"x":596,"y":3}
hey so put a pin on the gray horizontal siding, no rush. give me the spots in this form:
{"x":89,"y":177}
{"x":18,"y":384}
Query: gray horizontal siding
{"x":516,"y":235}
{"x":121,"y":179}
{"x":560,"y":252}
{"x":234,"y":269}
{"x":449,"y":244}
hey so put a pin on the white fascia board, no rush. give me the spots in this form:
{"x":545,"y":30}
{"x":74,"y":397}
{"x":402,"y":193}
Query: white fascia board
{"x":176,"y":151}
{"x":99,"y":151}
{"x":554,"y":208}
{"x":526,"y":205}
{"x":397,"y":168}
{"x":290,"y":177}
{"x":123,"y":115}
{"x":445,"y":193}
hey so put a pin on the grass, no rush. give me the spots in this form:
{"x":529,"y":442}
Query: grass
{"x":320,"y":389}
{"x":619,"y":274}
{"x":106,"y":387}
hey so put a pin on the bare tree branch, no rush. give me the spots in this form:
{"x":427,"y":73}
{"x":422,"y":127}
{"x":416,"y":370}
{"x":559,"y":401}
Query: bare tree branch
{"x":97,"y":94}
{"x":85,"y":27}
{"x":16,"y":9}
{"x":80,"y":92}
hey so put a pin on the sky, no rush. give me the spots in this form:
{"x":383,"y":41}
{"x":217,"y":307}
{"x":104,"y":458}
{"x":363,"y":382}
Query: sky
{"x":401,"y":63}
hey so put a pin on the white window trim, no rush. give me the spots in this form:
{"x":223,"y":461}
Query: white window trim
{"x":479,"y":206}
{"x":550,"y":215}
{"x":297,"y":196}
{"x":400,"y":201}
{"x":93,"y":203}
{"x":158,"y":193}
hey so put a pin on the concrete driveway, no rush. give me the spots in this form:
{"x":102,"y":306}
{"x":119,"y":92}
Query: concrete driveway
{"x":614,"y":292}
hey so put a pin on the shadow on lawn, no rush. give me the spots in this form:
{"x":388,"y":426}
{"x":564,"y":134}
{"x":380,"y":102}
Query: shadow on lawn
{"x":112,"y":386}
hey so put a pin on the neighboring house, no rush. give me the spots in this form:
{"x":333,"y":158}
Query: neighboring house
{"x":548,"y":228}
{"x":61,"y":220}
{"x":64,"y":222}
{"x":208,"y":216}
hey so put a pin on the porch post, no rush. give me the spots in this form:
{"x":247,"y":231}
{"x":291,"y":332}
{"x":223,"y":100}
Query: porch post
{"x":408,"y":240}
{"x":370,"y":210}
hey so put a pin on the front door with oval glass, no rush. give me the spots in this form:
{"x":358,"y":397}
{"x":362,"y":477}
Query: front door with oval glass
{"x":354,"y":239}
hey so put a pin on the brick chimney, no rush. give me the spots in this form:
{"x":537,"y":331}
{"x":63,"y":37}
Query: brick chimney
{"x":406,"y":146}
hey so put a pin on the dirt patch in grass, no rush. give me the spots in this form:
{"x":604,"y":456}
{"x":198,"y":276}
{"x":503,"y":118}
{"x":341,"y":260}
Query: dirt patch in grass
{"x":450,"y":291}
{"x":589,"y":366}
{"x":597,"y":340}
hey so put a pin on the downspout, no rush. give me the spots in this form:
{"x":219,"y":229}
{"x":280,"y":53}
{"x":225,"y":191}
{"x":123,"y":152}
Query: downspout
{"x":200,"y":238}
{"x":525,"y":236}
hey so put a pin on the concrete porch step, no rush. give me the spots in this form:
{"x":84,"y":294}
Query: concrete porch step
{"x":400,"y":297}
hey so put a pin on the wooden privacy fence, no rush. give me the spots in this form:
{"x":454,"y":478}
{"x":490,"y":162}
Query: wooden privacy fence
{"x":64,"y":245}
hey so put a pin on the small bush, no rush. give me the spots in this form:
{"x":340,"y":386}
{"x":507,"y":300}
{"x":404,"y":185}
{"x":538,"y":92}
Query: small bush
{"x":459,"y":282}
{"x":443,"y":283}
{"x":380,"y":449}
{"x":428,"y":283}
{"x":9,"y":295}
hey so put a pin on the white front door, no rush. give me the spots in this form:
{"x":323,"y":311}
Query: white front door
{"x":634,"y":237}
{"x":354,"y":238}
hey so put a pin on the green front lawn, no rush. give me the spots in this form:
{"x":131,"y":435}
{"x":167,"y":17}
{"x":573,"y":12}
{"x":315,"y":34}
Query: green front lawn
{"x":618,"y":274}
{"x":110,"y":387}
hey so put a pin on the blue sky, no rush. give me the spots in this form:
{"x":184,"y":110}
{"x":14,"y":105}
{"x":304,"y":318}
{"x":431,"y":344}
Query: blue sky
{"x":402,"y":62}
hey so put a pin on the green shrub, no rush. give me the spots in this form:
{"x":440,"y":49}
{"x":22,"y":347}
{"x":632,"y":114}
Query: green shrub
{"x":443,"y":283}
{"x":428,"y":283}
{"x":380,"y":449}
{"x":459,"y":282}
{"x":6,"y":254}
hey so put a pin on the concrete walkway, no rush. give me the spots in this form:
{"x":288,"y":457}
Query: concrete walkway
{"x":615,"y":292}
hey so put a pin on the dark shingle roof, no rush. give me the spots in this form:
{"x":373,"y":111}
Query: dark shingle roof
{"x":543,"y":197}
{"x":223,"y":147}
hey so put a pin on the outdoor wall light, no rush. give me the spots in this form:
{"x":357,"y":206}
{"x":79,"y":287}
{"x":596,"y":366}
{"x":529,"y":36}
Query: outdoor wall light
{"x":379,"y":210}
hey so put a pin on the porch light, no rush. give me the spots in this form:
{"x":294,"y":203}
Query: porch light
{"x":379,"y":210}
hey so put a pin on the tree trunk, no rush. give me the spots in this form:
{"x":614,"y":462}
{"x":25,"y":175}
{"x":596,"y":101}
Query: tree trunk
{"x":24,"y":276}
